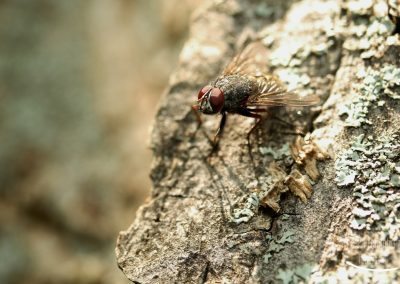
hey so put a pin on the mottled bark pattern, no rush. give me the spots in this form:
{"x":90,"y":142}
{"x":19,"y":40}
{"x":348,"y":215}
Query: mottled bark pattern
{"x":188,"y":232}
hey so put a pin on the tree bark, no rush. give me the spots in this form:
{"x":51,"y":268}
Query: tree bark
{"x":230,"y":217}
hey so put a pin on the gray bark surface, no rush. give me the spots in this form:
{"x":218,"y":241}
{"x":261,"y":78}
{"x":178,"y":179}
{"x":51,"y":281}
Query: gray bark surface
{"x":187,"y":232}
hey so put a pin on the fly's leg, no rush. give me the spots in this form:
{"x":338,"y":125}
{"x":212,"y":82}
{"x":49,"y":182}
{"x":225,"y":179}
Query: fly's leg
{"x":195,"y":109}
{"x":213,"y":142}
{"x":295,"y":132}
{"x":199,"y":123}
{"x":251,"y":113}
{"x":220,"y":130}
{"x":217,"y":136}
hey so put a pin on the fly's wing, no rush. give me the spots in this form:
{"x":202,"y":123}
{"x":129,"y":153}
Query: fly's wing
{"x":271,"y":92}
{"x":251,"y":60}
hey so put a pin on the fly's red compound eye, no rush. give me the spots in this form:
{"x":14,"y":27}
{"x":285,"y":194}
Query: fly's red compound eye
{"x":217,"y":99}
{"x":203,"y":91}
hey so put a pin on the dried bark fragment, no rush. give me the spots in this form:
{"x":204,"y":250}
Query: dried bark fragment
{"x":306,"y":153}
{"x":273,"y":196}
{"x":299,"y":185}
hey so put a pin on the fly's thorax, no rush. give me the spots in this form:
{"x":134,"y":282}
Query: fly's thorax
{"x":236,"y":88}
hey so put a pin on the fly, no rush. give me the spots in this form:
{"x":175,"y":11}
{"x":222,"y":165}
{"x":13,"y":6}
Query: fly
{"x":244,"y":88}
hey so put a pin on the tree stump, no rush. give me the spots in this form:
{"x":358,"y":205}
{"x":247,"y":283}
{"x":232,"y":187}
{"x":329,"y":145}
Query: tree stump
{"x":307,"y":208}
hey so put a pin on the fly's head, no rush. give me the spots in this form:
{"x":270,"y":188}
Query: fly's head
{"x":210,"y":100}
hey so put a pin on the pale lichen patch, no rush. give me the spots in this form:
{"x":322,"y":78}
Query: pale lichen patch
{"x":276,"y":153}
{"x":276,"y":243}
{"x":369,"y":31}
{"x":359,"y":7}
{"x":369,"y":167}
{"x":300,"y":274}
{"x":374,"y":83}
{"x":245,"y":213}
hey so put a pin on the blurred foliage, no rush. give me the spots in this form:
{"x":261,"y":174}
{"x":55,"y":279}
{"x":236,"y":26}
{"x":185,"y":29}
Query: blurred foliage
{"x":79,"y":84}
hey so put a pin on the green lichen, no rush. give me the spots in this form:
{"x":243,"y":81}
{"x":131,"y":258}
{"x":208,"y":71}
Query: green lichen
{"x":313,"y":40}
{"x":371,"y":36}
{"x":244,"y":214}
{"x":277,"y":154}
{"x":369,"y":166}
{"x":293,"y":79}
{"x":360,"y":8}
{"x":301,"y":274}
{"x":368,"y":31}
{"x":277,"y":243}
{"x":264,"y":10}
{"x":374,"y":84}
{"x":294,"y":54}
{"x":351,"y":274}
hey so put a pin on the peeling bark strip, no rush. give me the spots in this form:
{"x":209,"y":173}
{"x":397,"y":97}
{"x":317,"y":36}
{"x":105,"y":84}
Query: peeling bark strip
{"x":204,"y":223}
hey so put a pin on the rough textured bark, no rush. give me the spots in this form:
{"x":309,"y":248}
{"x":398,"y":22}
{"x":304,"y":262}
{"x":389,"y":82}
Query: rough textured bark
{"x":210,"y":220}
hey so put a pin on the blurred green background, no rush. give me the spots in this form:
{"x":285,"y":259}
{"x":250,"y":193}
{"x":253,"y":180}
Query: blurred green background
{"x":79,"y":85}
